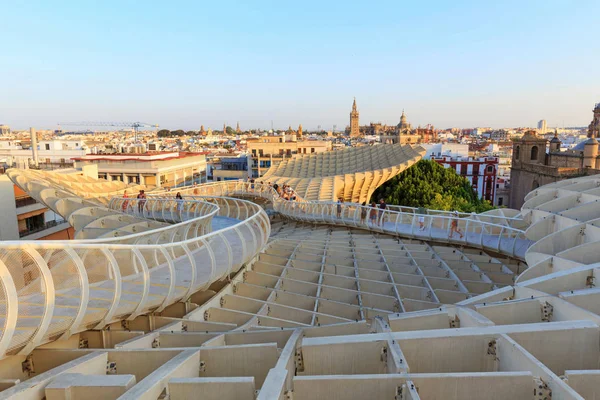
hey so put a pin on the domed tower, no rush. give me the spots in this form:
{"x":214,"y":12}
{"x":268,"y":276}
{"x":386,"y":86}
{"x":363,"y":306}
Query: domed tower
{"x":403,"y":125}
{"x":555,"y":143}
{"x":590,"y":153}
{"x":354,"y":127}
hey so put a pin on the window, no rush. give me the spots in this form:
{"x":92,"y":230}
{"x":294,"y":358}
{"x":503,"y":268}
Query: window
{"x":535,"y":185}
{"x":517,"y":152}
{"x":500,"y":201}
{"x":490,"y":169}
{"x":312,"y":149}
{"x":534,"y":153}
{"x":47,"y":146}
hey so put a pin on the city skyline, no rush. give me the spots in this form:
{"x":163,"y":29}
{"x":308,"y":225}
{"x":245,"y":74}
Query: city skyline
{"x":450,"y":65}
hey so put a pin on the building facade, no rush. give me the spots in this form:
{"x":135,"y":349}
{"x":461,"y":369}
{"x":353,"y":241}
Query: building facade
{"x":51,"y":154}
{"x":268,"y":151}
{"x":169,"y":169}
{"x":480,"y":172}
{"x":536,"y":163}
{"x":24,"y":218}
{"x":231,"y":168}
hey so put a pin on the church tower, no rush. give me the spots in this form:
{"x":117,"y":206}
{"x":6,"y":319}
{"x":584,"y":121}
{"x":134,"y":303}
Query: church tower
{"x":354,"y":127}
{"x":237,"y":128}
{"x":594,"y":127}
{"x":300,"y":131}
{"x":224,"y":128}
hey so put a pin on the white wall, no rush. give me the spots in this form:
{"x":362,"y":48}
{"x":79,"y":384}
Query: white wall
{"x":8,"y":216}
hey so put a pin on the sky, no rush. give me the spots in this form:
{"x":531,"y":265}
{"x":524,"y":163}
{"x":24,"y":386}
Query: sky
{"x":184,"y":64}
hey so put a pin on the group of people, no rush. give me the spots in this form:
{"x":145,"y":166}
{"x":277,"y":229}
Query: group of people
{"x":141,"y":201}
{"x":375,"y":213}
{"x":284,"y":191}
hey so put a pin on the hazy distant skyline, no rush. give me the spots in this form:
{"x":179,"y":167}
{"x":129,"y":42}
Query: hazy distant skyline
{"x":450,"y":64}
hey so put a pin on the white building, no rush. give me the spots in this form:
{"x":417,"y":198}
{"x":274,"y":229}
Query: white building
{"x":167,"y":169}
{"x":59,"y":153}
{"x":445,"y":149}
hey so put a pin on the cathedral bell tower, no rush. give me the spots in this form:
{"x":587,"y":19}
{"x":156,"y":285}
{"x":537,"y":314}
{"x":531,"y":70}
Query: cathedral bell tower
{"x":354,"y":127}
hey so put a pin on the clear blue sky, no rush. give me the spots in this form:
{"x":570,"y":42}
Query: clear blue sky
{"x":182,"y":64}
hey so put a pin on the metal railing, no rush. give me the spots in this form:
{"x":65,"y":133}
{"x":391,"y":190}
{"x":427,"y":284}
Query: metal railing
{"x":53,"y":289}
{"x":433,"y":225}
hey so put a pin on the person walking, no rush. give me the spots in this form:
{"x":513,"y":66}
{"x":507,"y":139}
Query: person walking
{"x":373,"y":214}
{"x":125,"y":202}
{"x":363,"y":212}
{"x":421,"y":218}
{"x":454,"y":226}
{"x":382,"y":207}
{"x":179,"y":200}
{"x":339,"y":208}
{"x":141,"y":201}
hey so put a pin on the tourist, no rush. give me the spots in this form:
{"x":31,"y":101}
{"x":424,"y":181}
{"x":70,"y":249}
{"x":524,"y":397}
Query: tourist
{"x":339,"y":208}
{"x":373,"y":213}
{"x":363,"y":212}
{"x":141,"y":201}
{"x":125,"y":202}
{"x":179,"y":200}
{"x":421,"y":218}
{"x":454,"y":226}
{"x":382,"y":207}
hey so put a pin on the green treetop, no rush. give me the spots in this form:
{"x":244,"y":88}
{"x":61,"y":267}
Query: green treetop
{"x":430,"y":185}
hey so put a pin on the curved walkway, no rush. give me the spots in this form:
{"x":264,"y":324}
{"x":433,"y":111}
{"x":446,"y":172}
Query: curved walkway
{"x":53,"y":289}
{"x":478,"y":230}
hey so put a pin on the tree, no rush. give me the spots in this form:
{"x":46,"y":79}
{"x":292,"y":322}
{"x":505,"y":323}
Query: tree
{"x":230,"y":130}
{"x":178,"y":132}
{"x":163,"y":133}
{"x":430,"y":185}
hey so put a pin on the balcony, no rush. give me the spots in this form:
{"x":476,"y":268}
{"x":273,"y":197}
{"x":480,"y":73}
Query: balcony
{"x":24,"y":201}
{"x":40,"y":228}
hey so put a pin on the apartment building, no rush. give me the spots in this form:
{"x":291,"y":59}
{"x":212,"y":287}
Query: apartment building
{"x":268,"y":151}
{"x":51,"y":154}
{"x":168,"y":169}
{"x":481,"y":172}
{"x":231,"y":168}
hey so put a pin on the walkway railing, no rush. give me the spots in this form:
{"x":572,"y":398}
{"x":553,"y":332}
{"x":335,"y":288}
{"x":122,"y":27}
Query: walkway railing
{"x":53,"y":289}
{"x":433,"y":225}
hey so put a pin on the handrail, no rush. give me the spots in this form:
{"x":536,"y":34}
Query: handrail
{"x":486,"y":235}
{"x":161,"y":266}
